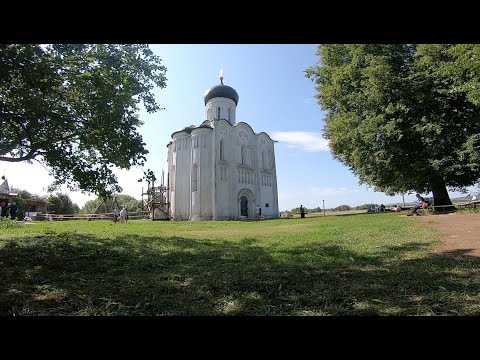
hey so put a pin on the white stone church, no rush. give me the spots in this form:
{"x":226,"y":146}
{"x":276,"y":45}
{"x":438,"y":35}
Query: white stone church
{"x":221,"y":169}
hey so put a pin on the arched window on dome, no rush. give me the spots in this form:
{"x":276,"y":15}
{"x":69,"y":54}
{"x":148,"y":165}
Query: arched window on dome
{"x":229,"y":114}
{"x":218,"y":113}
{"x":222,"y":151}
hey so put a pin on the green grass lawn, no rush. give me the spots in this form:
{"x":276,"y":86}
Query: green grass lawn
{"x":362,"y":264}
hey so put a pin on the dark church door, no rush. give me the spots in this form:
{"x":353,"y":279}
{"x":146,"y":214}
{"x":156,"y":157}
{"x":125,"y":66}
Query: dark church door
{"x":243,"y":206}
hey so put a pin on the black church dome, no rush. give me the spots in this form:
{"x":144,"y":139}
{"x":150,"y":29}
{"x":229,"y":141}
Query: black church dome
{"x":221,"y":90}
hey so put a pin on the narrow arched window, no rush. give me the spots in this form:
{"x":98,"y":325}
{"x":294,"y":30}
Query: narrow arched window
{"x":222,"y":152}
{"x":244,"y":155}
{"x":218,"y":113}
{"x":194,"y":177}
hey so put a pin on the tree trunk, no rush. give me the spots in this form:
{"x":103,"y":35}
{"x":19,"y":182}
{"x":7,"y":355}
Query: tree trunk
{"x":440,"y":194}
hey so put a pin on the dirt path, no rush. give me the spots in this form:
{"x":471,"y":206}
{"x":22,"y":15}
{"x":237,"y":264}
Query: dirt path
{"x":460,"y":233}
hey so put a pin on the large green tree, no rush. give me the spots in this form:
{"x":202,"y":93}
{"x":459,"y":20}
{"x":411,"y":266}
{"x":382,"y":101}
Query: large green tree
{"x":403,"y":117}
{"x":75,"y":109}
{"x":62,"y":204}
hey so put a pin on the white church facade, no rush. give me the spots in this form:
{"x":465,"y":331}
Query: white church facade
{"x":221,"y":169}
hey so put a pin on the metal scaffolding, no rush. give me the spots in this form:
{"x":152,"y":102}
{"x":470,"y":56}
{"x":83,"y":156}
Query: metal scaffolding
{"x":156,"y":205}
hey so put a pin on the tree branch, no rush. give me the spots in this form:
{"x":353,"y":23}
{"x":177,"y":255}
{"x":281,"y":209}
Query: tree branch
{"x":31,"y":155}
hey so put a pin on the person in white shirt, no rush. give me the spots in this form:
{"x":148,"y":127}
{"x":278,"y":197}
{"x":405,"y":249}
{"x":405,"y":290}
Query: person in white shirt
{"x":123,"y":215}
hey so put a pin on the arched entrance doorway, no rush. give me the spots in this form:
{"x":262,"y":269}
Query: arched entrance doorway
{"x":246,"y":203}
{"x":243,"y":206}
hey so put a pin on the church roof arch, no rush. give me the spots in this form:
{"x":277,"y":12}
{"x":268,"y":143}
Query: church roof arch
{"x":242,"y":124}
{"x":225,"y":121}
{"x":202,"y":127}
{"x":266,"y":135}
{"x":188,"y":129}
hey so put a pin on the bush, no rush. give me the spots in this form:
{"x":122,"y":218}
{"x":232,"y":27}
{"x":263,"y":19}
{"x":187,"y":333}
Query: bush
{"x":7,"y":223}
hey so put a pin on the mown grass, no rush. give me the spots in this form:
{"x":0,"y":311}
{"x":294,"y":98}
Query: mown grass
{"x":365,"y":264}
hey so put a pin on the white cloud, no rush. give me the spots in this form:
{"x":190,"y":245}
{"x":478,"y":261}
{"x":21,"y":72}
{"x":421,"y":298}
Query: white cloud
{"x":307,"y":141}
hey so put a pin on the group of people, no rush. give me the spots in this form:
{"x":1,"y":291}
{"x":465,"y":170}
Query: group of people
{"x":420,"y":202}
{"x":120,"y":216}
{"x":8,"y":209}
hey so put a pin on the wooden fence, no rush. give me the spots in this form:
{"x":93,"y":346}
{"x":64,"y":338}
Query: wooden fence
{"x":100,"y":216}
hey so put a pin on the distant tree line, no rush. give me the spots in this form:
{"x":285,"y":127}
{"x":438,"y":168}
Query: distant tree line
{"x":338,"y":208}
{"x":132,"y":204}
{"x":62,"y":203}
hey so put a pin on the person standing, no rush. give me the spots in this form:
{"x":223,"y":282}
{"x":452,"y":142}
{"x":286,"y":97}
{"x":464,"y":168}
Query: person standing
{"x":302,"y":212}
{"x":13,"y":211}
{"x":123,"y":215}
{"x":4,"y":212}
{"x":115,"y":214}
{"x":257,"y":212}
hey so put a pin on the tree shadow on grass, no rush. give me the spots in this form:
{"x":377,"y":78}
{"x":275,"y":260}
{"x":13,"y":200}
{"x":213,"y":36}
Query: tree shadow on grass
{"x":460,"y":252}
{"x":71,"y":274}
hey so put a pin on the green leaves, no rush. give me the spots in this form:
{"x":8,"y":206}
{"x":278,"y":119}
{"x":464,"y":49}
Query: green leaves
{"x":400,"y":116}
{"x":62,"y":204}
{"x":75,"y":107}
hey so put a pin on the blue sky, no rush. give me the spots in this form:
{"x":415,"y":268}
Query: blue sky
{"x":275,"y":97}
